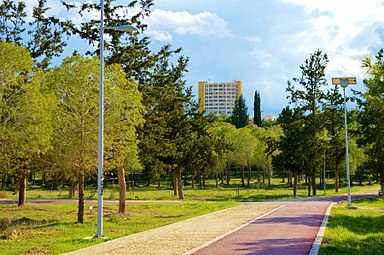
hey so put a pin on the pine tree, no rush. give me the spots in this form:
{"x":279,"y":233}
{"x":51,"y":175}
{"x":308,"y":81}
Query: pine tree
{"x":239,"y":116}
{"x":42,"y":36}
{"x":372,"y":116}
{"x":307,"y":94}
{"x":256,"y":109}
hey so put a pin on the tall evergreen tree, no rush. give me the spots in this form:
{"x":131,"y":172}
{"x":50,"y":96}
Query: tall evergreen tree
{"x":334,"y":123}
{"x":42,"y":35}
{"x":307,"y":95}
{"x":256,"y":109}
{"x":166,"y":98}
{"x":372,"y":117}
{"x":239,"y":116}
{"x":292,"y":144}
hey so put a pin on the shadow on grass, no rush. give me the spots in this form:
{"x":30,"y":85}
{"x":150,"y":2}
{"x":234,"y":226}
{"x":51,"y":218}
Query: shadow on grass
{"x":372,"y":245}
{"x":355,"y":231}
{"x":362,"y":225}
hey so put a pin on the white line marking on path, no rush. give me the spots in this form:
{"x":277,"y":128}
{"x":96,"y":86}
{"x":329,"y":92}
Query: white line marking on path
{"x":230,"y":232}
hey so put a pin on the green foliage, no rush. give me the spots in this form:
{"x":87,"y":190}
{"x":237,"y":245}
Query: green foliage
{"x":239,"y":116}
{"x":307,"y":95}
{"x":114,"y":15}
{"x":75,"y":85}
{"x":256,"y":109}
{"x":372,"y":115}
{"x":123,"y":115}
{"x":292,"y":143}
{"x":42,"y":36}
{"x":25,"y":112}
{"x":333,"y":120}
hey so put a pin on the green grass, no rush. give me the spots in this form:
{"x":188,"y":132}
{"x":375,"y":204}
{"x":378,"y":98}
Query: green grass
{"x":51,"y":228}
{"x":355,"y":231}
{"x":233,"y":192}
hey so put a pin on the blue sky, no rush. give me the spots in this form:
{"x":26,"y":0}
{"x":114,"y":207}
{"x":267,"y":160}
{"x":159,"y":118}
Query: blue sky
{"x":263,"y":42}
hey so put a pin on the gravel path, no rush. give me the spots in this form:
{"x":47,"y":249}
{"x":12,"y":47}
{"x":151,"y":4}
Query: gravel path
{"x":181,"y":237}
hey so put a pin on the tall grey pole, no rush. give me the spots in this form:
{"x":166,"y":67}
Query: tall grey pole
{"x":346,"y":146}
{"x":101,"y":130}
{"x":324,"y":182}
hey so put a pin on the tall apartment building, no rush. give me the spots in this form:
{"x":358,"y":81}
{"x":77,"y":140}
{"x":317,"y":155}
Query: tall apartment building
{"x":219,"y":97}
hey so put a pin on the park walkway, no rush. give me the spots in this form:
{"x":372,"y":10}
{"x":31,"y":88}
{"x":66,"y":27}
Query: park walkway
{"x":290,"y":230}
{"x":285,"y":227}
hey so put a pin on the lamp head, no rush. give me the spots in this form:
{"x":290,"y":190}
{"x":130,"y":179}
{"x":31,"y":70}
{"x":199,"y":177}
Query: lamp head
{"x":344,"y":81}
{"x":123,"y":28}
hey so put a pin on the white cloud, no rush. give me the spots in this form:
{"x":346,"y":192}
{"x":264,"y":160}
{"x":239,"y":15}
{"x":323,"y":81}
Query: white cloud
{"x":254,"y":38}
{"x":163,"y":36}
{"x":339,"y":28}
{"x":57,"y":9}
{"x":181,"y":23}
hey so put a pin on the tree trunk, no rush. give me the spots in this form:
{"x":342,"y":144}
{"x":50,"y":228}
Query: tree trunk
{"x":179,"y":184}
{"x":290,"y":178}
{"x":203,"y":180}
{"x":337,"y":178}
{"x":269,"y":176}
{"x":175,"y":184}
{"x":122,"y":188}
{"x":313,"y":179}
{"x":249,"y":174}
{"x":382,"y":185}
{"x":133,"y":182}
{"x":258,"y":175}
{"x":149,"y":177}
{"x":80,"y":209}
{"x":217,"y":181}
{"x":22,"y":188}
{"x":308,"y":180}
{"x":71,"y":188}
{"x":283,"y":180}
{"x":242,"y":176}
{"x":227,"y":172}
{"x":263,"y":175}
{"x":193,"y":181}
{"x":295,"y":185}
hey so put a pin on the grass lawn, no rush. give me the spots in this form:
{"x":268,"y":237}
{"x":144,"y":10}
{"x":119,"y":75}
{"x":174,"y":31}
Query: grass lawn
{"x":51,"y":228}
{"x":355,"y":231}
{"x":234,"y":192}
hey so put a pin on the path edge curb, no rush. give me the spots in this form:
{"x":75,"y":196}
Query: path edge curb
{"x":196,"y":249}
{"x":320,"y":234}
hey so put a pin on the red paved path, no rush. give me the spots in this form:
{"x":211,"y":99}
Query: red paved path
{"x":290,"y":230}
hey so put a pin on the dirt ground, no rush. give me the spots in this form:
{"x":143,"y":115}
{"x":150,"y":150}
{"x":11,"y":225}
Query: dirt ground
{"x":181,"y":237}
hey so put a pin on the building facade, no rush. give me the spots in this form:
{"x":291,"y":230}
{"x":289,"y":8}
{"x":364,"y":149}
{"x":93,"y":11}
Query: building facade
{"x":219,"y":97}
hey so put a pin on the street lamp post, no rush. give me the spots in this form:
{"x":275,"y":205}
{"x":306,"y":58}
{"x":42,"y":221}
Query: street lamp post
{"x":324,"y":181}
{"x":125,"y":28}
{"x":344,"y":82}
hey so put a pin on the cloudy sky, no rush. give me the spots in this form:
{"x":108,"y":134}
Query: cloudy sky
{"x":263,"y":42}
